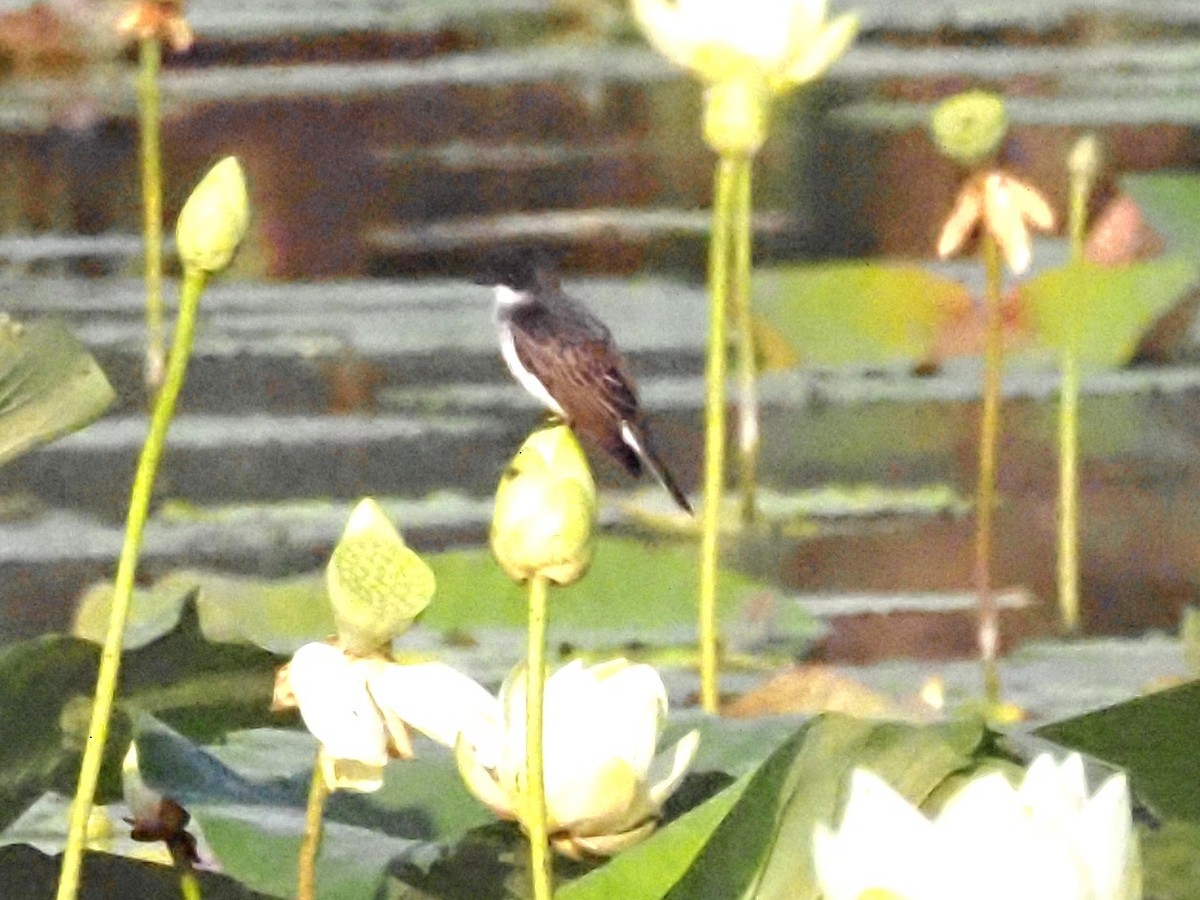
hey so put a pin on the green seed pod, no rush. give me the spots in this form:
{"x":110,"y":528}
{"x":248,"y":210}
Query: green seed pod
{"x":377,"y":585}
{"x":970,"y":126}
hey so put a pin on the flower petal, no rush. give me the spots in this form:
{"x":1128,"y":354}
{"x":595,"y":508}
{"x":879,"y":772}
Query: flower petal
{"x":962,"y":221}
{"x":438,"y":701}
{"x":578,"y":846}
{"x":1004,"y":222}
{"x":331,"y":692}
{"x":481,"y":781}
{"x":1105,"y":838}
{"x":669,"y":767}
{"x":821,"y":52}
{"x":595,"y":801}
{"x":669,"y":29}
{"x":883,"y":843}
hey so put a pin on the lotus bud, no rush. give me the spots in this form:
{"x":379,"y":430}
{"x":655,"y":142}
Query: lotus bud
{"x":213,"y":221}
{"x":969,"y":127}
{"x":545,"y":507}
{"x":377,"y":585}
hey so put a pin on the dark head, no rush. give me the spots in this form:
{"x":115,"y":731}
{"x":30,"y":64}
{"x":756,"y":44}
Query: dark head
{"x":520,"y":269}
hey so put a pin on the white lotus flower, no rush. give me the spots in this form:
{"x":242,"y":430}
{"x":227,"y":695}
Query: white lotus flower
{"x":1047,"y":840}
{"x":745,"y":52}
{"x":604,"y":785}
{"x":360,"y":709}
{"x":789,"y":41}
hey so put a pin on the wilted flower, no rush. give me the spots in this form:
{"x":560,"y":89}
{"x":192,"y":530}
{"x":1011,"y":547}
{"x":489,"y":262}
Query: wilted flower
{"x":377,"y":585}
{"x":360,"y":709}
{"x":1046,"y":840}
{"x":155,"y":817}
{"x":969,"y":127}
{"x":157,"y":20}
{"x":214,"y":219}
{"x":604,"y":785}
{"x":745,"y":52}
{"x":545,"y":507}
{"x":1005,"y":206}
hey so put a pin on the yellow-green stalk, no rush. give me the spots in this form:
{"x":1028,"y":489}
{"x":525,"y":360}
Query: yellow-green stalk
{"x":149,"y":122}
{"x":1082,"y":165}
{"x":725,"y":191}
{"x":985,"y":499}
{"x":540,"y":861}
{"x":541,"y":533}
{"x":745,"y":56}
{"x":310,"y":845}
{"x":210,"y":227}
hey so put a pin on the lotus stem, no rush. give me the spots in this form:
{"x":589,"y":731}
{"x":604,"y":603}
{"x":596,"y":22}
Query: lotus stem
{"x":310,"y":845}
{"x":540,"y":864}
{"x":724,"y":215}
{"x":1068,"y":428}
{"x":149,"y":121}
{"x":189,"y":885}
{"x":989,"y":618}
{"x":749,"y":431}
{"x":110,"y":656}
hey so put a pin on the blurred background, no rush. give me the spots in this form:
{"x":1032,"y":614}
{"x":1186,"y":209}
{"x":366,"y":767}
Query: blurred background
{"x":388,"y":143}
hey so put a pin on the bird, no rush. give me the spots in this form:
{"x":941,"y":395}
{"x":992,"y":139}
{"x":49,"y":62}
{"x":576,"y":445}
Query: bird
{"x":567,"y":360}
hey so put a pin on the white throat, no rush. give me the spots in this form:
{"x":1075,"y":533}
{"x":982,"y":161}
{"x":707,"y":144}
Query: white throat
{"x":507,"y":298}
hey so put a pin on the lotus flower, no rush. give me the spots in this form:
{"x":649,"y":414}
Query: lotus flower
{"x":360,"y":709}
{"x":745,"y":53}
{"x":1046,"y":840}
{"x":604,"y":785}
{"x":1005,"y":207}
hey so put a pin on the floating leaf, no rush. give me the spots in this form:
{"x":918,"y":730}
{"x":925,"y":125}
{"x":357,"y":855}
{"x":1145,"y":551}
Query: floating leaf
{"x":1117,"y":305}
{"x":1153,"y":738}
{"x":859,"y":313}
{"x":634,"y":590}
{"x":49,"y":386}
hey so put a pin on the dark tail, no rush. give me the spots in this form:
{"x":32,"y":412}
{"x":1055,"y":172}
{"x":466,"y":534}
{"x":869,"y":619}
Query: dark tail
{"x":636,"y":439}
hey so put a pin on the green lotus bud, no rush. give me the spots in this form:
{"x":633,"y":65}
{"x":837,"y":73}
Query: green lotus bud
{"x":969,"y":127}
{"x":213,"y":220}
{"x":735,"y":115}
{"x":377,"y":585}
{"x":545,"y":506}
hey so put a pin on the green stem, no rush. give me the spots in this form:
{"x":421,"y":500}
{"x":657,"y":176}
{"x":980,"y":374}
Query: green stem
{"x":110,"y":655}
{"x":540,"y":866}
{"x":310,"y":846}
{"x":749,"y":432}
{"x":989,"y":619}
{"x":714,"y":424}
{"x":189,"y":885}
{"x":1068,"y":429}
{"x":150,"y":118}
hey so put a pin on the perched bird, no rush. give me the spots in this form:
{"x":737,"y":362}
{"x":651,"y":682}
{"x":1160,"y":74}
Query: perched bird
{"x":565,"y":357}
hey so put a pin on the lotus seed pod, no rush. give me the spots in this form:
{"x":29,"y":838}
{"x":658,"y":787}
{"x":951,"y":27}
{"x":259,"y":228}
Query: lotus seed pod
{"x":969,"y":127}
{"x":377,"y":585}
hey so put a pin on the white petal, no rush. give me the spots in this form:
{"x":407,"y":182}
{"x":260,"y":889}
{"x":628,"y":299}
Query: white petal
{"x":481,"y":781}
{"x":669,"y":767}
{"x":438,"y":701}
{"x":332,"y":694}
{"x":1105,"y":837}
{"x":883,"y":842}
{"x":669,"y":28}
